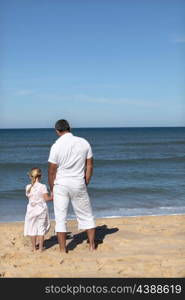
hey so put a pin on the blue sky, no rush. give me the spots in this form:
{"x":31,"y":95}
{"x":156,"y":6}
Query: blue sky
{"x":96,"y":63}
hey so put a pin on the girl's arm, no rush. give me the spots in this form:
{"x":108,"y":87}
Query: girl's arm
{"x":47,"y":197}
{"x":27,"y":188}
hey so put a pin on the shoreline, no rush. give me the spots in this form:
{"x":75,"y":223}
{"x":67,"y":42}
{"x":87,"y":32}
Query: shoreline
{"x":127,"y":247}
{"x":108,"y":217}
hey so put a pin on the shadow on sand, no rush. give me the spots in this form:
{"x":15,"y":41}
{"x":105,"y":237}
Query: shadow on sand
{"x":76,"y":239}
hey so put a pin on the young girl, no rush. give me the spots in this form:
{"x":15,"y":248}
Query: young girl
{"x":37,"y":222}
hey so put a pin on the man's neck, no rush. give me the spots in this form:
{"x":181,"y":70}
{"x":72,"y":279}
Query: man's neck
{"x":63,"y":133}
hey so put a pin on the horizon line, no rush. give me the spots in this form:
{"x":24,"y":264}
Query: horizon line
{"x":94,"y":127}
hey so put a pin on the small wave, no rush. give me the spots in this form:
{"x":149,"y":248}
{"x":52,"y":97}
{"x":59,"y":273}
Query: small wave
{"x":141,"y":144}
{"x":97,"y":162}
{"x":153,"y":143}
{"x":20,"y":166}
{"x":24,"y":146}
{"x":127,"y":190}
{"x":103,"y":162}
{"x":105,"y":191}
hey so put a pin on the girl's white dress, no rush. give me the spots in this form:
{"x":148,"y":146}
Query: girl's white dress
{"x":37,"y":217}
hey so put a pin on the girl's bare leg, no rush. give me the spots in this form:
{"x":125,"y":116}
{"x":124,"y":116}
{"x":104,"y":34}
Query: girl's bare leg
{"x":33,"y":241}
{"x":41,"y":242}
{"x":37,"y":242}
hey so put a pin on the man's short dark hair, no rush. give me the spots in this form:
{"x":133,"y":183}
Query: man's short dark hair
{"x":62,"y":125}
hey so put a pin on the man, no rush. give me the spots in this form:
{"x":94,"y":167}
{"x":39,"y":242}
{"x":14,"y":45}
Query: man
{"x":69,"y":172}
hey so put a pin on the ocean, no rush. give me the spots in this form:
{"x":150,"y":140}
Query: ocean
{"x":137,"y":171}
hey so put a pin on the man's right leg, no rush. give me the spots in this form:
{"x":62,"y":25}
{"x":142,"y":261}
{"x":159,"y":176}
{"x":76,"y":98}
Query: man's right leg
{"x":82,"y":208}
{"x":91,"y":238}
{"x":61,"y":201}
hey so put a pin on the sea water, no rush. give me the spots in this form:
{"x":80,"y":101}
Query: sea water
{"x":137,"y":171}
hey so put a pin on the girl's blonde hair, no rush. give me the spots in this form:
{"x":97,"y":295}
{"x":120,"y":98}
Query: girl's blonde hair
{"x":34,"y":174}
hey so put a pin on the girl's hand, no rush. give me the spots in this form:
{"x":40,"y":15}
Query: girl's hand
{"x":48,"y":197}
{"x":51,"y":195}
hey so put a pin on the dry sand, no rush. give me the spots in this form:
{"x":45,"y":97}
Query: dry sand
{"x":149,"y":246}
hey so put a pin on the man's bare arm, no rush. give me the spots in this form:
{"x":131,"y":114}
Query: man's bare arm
{"x":52,"y":170}
{"x":88,"y":170}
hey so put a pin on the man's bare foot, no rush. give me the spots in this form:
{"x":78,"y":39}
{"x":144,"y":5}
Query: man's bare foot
{"x":92,"y":247}
{"x":63,"y":251}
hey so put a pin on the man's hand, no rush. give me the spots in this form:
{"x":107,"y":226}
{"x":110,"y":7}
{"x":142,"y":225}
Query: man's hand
{"x":52,"y":170}
{"x":89,"y":170}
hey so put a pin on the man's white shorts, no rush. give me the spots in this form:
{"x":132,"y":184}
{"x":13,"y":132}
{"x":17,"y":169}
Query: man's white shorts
{"x":81,"y":205}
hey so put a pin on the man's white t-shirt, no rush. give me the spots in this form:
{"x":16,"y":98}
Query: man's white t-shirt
{"x":70,"y":152}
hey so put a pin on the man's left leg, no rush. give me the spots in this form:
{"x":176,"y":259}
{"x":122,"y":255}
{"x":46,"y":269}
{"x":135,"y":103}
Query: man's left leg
{"x":61,"y":201}
{"x":62,"y":241}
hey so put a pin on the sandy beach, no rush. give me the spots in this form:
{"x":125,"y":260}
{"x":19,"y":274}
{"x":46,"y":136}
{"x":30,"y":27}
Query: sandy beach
{"x":127,"y":247}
